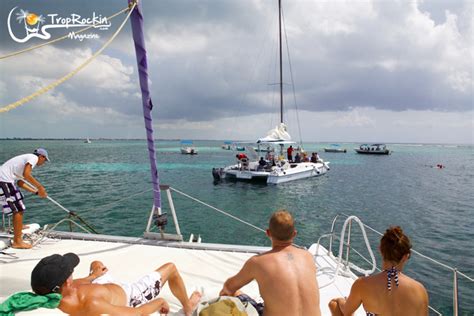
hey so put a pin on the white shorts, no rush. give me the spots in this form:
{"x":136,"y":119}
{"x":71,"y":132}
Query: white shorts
{"x":144,"y":290}
{"x":140,"y":292}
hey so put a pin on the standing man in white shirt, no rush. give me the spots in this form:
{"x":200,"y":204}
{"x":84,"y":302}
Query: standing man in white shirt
{"x":13,"y":171}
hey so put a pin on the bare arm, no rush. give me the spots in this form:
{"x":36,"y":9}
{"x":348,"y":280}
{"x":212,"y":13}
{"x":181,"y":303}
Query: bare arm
{"x":28,"y":177}
{"x":96,"y":306}
{"x":354,"y":300}
{"x":243,"y":277}
{"x":424,"y":294}
{"x":96,"y":272}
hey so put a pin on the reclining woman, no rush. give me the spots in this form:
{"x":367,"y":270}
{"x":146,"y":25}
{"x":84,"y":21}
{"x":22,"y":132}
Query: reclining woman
{"x":389,"y":292}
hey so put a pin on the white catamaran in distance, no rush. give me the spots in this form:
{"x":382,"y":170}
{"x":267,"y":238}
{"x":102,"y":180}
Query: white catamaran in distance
{"x":273,"y":169}
{"x":203,"y":266}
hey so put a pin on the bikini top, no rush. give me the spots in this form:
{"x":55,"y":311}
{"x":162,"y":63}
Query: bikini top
{"x":391,"y":273}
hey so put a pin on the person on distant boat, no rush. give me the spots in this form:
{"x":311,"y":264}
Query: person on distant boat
{"x":262,"y":163}
{"x":297,"y":157}
{"x":286,"y":275}
{"x":389,"y":292}
{"x":11,"y":199}
{"x":289,"y":153}
{"x":241,"y":156}
{"x":314,"y":159}
{"x":305,"y":157}
{"x":99,"y":294}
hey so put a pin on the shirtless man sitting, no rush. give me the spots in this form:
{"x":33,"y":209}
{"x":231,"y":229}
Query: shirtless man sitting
{"x":53,"y":274}
{"x":286,"y":275}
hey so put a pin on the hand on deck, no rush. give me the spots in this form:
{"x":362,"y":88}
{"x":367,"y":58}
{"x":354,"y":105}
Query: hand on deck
{"x":97,"y":269}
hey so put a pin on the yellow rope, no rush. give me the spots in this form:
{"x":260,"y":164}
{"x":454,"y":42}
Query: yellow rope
{"x":16,"y":104}
{"x":57,"y":39}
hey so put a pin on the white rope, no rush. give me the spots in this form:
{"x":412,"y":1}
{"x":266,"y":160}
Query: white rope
{"x":16,"y":104}
{"x":216,"y":209}
{"x":57,"y":39}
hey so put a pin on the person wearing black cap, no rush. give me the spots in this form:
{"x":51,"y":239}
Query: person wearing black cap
{"x":13,"y":171}
{"x":53,"y":274}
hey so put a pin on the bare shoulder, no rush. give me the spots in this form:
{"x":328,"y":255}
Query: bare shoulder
{"x":362,"y":283}
{"x":301,"y":252}
{"x":256,"y":260}
{"x":418,"y":286}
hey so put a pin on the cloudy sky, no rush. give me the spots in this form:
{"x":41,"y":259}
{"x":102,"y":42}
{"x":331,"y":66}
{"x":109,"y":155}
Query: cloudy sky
{"x":386,"y":70}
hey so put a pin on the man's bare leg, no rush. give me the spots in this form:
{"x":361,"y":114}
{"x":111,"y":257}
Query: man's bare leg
{"x":18,"y":242}
{"x":170,"y":273}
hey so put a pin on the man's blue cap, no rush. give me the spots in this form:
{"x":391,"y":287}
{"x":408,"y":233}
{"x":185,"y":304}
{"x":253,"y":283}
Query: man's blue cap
{"x":42,"y":152}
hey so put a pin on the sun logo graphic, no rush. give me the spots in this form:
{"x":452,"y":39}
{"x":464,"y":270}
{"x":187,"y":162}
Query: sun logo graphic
{"x":35,"y":26}
{"x":31,"y":20}
{"x":31,"y":23}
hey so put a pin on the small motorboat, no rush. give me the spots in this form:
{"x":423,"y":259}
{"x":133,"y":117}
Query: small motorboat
{"x":374,"y":149}
{"x":335,"y":148}
{"x":187,"y":147}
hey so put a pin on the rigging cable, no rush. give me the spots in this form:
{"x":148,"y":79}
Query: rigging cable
{"x":43,"y":90}
{"x":292,"y":81}
{"x":57,"y":39}
{"x":216,"y":209}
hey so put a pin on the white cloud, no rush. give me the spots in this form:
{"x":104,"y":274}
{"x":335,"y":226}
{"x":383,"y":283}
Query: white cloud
{"x":363,"y":69}
{"x":43,"y":66}
{"x":180,"y":41}
{"x":354,"y":118}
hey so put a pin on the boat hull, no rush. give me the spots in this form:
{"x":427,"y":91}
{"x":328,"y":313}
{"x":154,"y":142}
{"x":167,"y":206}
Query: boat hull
{"x":332,"y":150}
{"x":297,"y":171}
{"x":279,"y":174}
{"x":373,"y":152}
{"x":239,"y":174}
{"x":188,"y":151}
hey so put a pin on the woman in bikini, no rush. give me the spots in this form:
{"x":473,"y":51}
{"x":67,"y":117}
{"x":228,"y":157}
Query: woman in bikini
{"x":389,"y":292}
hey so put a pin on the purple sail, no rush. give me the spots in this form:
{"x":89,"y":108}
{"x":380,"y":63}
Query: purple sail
{"x":136,"y":18}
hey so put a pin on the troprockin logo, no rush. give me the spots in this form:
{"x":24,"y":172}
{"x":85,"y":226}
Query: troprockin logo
{"x":37,"y":25}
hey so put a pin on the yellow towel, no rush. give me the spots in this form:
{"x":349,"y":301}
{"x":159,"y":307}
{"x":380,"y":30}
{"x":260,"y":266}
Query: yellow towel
{"x":222,"y":308}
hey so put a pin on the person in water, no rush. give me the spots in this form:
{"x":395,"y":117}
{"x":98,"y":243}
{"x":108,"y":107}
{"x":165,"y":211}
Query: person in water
{"x":389,"y":292}
{"x":100,"y":294}
{"x":12,"y":173}
{"x":286,"y":275}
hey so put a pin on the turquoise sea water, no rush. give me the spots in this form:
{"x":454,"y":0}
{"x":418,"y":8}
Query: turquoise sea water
{"x":435,"y":207}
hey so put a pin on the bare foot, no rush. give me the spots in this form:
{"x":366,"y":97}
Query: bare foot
{"x":21,"y":245}
{"x":193,"y":302}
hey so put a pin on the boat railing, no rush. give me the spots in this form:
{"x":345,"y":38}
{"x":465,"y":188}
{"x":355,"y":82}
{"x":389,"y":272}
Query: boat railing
{"x":347,"y":265}
{"x":350,"y":248}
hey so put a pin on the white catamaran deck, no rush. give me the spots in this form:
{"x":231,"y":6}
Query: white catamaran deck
{"x":202,"y":268}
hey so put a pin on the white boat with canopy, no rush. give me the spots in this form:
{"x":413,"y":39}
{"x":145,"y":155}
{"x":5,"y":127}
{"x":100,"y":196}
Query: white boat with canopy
{"x":272,"y":169}
{"x":187,"y":147}
{"x":130,"y":257}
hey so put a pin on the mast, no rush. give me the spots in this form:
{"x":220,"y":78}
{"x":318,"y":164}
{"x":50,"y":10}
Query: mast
{"x":136,"y":19}
{"x":281,"y":62}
